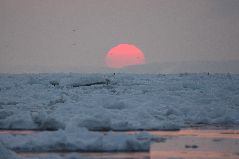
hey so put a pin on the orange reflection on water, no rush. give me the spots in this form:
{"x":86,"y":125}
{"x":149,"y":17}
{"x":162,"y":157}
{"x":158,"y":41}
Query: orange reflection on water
{"x":17,"y":132}
{"x":192,"y":154}
{"x":212,"y":144}
{"x":197,"y":133}
{"x":185,"y":132}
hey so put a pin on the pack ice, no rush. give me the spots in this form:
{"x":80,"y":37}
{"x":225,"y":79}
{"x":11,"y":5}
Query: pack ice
{"x":75,"y":104}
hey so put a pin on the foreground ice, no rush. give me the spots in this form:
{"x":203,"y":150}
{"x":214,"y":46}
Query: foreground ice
{"x":8,"y":154}
{"x":120,"y":102}
{"x":73,"y":103}
{"x":79,"y":139}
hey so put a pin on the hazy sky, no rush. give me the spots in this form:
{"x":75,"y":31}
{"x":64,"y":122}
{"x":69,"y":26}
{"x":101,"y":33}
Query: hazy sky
{"x":78,"y":33}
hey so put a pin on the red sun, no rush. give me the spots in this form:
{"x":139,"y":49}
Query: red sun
{"x":124,"y":55}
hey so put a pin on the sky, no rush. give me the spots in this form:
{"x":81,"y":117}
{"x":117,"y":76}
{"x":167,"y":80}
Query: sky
{"x":48,"y":35}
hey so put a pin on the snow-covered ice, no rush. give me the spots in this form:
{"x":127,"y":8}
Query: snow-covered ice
{"x":120,"y":102}
{"x":73,"y":104}
{"x":79,"y":139}
{"x":6,"y":153}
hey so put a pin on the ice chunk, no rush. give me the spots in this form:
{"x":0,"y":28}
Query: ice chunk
{"x":5,"y":114}
{"x":117,"y":105}
{"x":21,"y":120}
{"x":46,"y":122}
{"x":76,"y":140}
{"x":96,"y":124}
{"x":7,"y":154}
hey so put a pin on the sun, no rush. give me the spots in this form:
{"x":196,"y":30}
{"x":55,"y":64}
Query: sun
{"x":124,"y":55}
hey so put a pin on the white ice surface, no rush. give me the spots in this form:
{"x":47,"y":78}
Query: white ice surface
{"x":128,"y":102}
{"x":5,"y":153}
{"x":68,"y":102}
{"x":76,"y":139}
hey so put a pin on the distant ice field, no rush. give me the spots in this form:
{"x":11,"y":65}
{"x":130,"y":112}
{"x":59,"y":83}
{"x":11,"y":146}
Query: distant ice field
{"x":118,"y":102}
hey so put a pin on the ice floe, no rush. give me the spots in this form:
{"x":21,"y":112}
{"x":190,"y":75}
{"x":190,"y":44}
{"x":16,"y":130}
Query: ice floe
{"x":117,"y":102}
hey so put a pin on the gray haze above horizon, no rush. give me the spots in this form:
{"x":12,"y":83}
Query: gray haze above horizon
{"x":68,"y":35}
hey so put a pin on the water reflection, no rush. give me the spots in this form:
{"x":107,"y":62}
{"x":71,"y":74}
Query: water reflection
{"x":18,"y":132}
{"x":185,"y":132}
{"x":192,"y":155}
{"x":212,"y":148}
{"x":196,"y":133}
{"x":208,"y":144}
